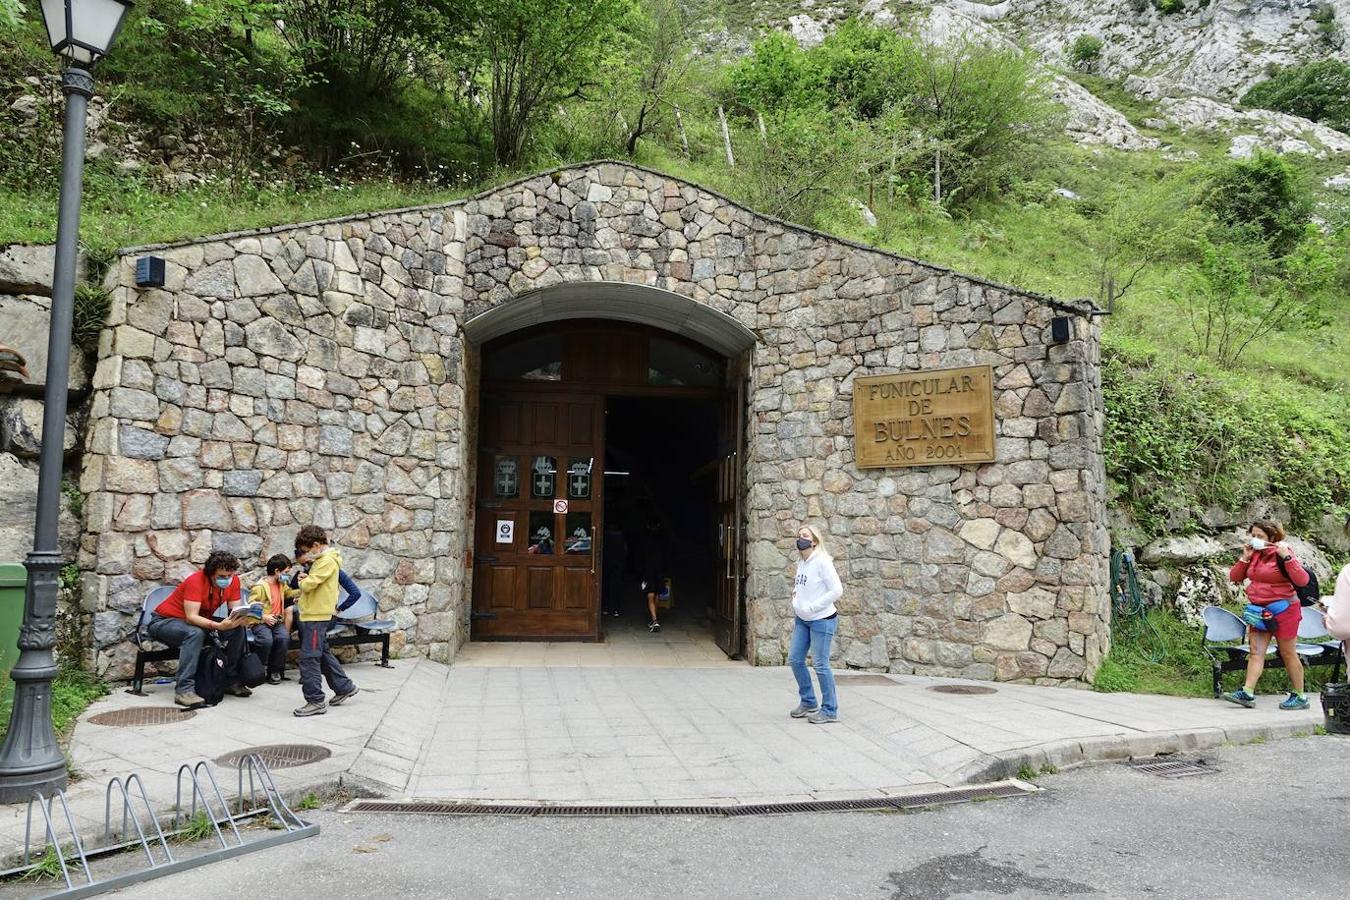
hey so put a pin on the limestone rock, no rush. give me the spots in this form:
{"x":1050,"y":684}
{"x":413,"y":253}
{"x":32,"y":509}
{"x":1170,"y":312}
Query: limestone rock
{"x":18,"y":507}
{"x":25,"y":323}
{"x":1008,"y":632}
{"x":21,"y":429}
{"x":1186,"y":549}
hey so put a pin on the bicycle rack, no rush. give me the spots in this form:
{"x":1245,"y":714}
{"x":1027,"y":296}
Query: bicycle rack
{"x":150,"y":838}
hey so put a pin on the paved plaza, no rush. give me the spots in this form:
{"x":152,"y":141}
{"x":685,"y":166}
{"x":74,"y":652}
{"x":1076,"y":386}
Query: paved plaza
{"x":655,"y":734}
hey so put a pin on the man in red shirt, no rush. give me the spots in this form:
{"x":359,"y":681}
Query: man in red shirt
{"x":184,"y":618}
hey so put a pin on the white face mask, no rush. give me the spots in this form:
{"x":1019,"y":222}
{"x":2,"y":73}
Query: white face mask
{"x":1258,"y":544}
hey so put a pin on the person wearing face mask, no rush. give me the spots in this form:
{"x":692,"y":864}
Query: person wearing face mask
{"x":183,"y":620}
{"x":815,"y":590}
{"x":1272,"y":575}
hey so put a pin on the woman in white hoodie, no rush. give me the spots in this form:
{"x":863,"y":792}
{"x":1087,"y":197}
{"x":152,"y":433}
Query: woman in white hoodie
{"x":814,"y":592}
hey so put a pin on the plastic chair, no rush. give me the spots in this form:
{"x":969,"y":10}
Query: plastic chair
{"x":365,"y":607}
{"x":152,"y":601}
{"x":1311,"y":627}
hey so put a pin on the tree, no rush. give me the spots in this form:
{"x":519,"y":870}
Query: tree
{"x":662,"y":59}
{"x":1261,"y":198}
{"x":1319,"y":91}
{"x":1240,"y":294}
{"x":1085,"y":51}
{"x":1139,"y":225}
{"x":540,"y":53}
{"x":10,"y":10}
{"x":365,"y":46}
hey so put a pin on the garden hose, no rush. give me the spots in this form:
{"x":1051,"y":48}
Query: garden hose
{"x":1128,"y":606}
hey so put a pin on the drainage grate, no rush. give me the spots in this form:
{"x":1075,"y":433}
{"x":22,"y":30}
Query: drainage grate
{"x":962,"y":689}
{"x":142,"y":715}
{"x":279,"y":756}
{"x":1172,"y":768}
{"x":866,"y":681}
{"x":870,"y":804}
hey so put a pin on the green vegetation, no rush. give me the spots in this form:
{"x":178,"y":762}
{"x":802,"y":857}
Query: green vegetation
{"x":198,"y":828}
{"x":1170,"y":7}
{"x":72,"y":692}
{"x":1085,"y":51}
{"x":1223,"y":373}
{"x":309,"y":801}
{"x":1319,"y":91}
{"x":1026,"y":772}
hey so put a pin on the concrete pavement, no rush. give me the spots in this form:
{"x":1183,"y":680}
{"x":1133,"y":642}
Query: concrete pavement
{"x":1101,"y":832}
{"x":649,"y":735}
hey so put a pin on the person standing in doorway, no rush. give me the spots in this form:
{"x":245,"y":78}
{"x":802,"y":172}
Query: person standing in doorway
{"x":814,"y":592}
{"x":1272,"y":575}
{"x":615,"y":559}
{"x":653,"y":547}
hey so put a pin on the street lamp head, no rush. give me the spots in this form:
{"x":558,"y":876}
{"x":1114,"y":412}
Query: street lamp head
{"x":83,"y":30}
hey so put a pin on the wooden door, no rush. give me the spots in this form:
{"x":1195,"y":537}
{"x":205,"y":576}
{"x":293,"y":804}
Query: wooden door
{"x":730,"y":614}
{"x":539,"y":506}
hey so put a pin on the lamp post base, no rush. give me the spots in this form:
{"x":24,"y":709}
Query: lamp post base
{"x":31,"y":758}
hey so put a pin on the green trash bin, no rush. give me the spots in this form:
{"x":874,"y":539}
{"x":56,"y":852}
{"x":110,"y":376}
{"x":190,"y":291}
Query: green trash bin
{"x":13,"y":579}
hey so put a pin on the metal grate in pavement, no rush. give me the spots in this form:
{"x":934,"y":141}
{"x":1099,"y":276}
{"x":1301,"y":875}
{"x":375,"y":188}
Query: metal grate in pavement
{"x":137,"y":716}
{"x":866,"y":680}
{"x":870,"y":804}
{"x":1172,"y":768}
{"x":962,"y":689}
{"x":279,"y":756}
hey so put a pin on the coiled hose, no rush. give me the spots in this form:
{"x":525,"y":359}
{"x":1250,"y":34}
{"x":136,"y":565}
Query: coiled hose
{"x":1129,"y":613}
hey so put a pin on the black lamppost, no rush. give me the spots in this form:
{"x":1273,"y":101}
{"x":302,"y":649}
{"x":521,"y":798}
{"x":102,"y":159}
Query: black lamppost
{"x":81,"y":31}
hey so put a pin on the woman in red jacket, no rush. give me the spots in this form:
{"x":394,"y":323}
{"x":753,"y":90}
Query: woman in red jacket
{"x":1272,"y":573}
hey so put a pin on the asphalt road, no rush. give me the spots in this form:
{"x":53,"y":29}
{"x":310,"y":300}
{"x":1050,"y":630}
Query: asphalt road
{"x":1274,"y":820}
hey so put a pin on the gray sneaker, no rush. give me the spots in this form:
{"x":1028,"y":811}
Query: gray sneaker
{"x":819,"y":717}
{"x":339,"y":699}
{"x":802,"y":711}
{"x":188,"y":699}
{"x":312,"y":709}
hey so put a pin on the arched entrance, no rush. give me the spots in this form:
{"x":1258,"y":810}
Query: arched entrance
{"x":610,"y":426}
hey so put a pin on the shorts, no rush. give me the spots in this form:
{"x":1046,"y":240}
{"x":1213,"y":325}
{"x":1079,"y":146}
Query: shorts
{"x":1286,"y":623}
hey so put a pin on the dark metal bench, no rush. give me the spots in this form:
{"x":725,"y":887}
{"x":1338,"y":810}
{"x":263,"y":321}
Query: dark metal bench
{"x":1223,"y":627}
{"x":364,"y":629}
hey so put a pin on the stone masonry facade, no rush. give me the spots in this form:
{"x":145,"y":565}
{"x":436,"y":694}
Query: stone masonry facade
{"x":319,"y":373}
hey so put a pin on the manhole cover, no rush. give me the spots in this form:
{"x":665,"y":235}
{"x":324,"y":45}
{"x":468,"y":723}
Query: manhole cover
{"x":866,"y":681}
{"x":1171,"y":768}
{"x":279,"y":756}
{"x":142,"y":715}
{"x":961,"y":689}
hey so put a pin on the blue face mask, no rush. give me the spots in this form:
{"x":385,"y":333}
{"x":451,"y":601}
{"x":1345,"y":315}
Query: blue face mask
{"x":223,"y":581}
{"x":804,"y":544}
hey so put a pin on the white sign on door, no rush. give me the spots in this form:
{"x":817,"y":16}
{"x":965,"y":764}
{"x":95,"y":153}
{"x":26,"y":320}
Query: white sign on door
{"x":560,"y":506}
{"x":506,"y":531}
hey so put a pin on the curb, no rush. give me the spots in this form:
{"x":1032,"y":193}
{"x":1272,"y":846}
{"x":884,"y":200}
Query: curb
{"x":1069,"y":754}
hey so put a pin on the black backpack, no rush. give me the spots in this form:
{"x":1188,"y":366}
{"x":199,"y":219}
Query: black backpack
{"x":211,"y":671}
{"x":1310,"y":593}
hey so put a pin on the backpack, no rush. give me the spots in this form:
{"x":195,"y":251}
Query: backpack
{"x":211,"y":671}
{"x":1310,"y":593}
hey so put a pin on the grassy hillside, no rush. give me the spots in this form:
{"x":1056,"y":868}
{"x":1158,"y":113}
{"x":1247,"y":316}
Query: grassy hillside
{"x":1186,"y":430}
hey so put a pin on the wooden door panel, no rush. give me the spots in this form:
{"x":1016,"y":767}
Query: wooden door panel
{"x":577,"y":588}
{"x":545,"y":422}
{"x":501,"y":587}
{"x":539,"y":587}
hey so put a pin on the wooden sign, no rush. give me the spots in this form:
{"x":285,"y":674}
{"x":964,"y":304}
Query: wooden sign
{"x":932,"y":418}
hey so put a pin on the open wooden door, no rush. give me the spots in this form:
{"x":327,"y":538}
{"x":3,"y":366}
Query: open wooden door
{"x":538,"y":516}
{"x":730,"y":608}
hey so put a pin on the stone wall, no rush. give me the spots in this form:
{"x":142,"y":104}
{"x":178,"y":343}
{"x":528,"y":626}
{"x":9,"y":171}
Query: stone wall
{"x":25,"y":318}
{"x":318,"y":373}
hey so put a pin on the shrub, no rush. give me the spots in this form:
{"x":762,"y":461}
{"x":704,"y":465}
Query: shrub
{"x":1085,"y":52}
{"x":1170,"y":7}
{"x":1318,"y":91}
{"x":1260,"y":198}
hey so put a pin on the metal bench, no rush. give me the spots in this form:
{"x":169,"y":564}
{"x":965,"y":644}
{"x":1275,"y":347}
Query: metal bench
{"x":1222,"y":628}
{"x":357,"y":625}
{"x":141,"y":638}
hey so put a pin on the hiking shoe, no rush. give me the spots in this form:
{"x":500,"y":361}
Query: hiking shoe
{"x":339,"y":699}
{"x":312,"y":709}
{"x":1241,"y":698}
{"x":1294,"y":701}
{"x":274,"y":679}
{"x":238,"y":690}
{"x":654,"y":627}
{"x":820,"y":717}
{"x":802,"y":711}
{"x":189,"y":700}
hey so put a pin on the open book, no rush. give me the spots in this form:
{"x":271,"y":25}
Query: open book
{"x":247,"y":611}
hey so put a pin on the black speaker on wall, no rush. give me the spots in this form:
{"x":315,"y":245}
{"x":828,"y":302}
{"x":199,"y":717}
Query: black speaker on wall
{"x":150,"y":271}
{"x":1061,"y":330}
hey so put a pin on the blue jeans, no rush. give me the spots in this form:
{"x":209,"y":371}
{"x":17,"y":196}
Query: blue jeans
{"x":188,"y":638}
{"x":271,"y":642}
{"x":815,"y":636}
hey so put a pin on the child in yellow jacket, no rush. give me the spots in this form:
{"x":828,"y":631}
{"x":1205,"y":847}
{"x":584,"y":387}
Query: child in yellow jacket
{"x":316,"y":606}
{"x":272,"y":636}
